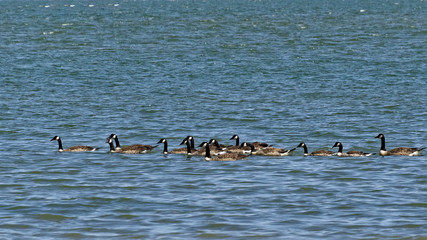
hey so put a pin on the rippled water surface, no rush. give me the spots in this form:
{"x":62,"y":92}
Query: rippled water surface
{"x":282,"y":72}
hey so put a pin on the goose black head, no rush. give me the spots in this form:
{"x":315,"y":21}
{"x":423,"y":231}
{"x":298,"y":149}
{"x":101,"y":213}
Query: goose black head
{"x":337,"y":144}
{"x":184,"y":141}
{"x":163,"y":140}
{"x":56,"y":138}
{"x":380,"y":136}
{"x":302,"y":144}
{"x":235,"y":136}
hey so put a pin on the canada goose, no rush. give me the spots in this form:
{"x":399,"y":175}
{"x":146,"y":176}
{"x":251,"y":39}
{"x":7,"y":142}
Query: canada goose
{"x":315,"y":153}
{"x":221,"y":157}
{"x":110,"y":142}
{"x":173,"y":151}
{"x":132,"y":149}
{"x":72,"y":149}
{"x":136,"y":148}
{"x":397,"y":151}
{"x":198,"y":152}
{"x":257,"y":145}
{"x":349,"y":153}
{"x":191,"y":139}
{"x":191,"y":151}
{"x":236,"y":148}
{"x":268,"y":151}
{"x":116,"y":139}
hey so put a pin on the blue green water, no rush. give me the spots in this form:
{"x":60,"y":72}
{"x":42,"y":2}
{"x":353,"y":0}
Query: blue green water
{"x":275,"y":71}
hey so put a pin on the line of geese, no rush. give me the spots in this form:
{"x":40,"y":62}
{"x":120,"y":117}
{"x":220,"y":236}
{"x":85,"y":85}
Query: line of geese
{"x":213,"y":151}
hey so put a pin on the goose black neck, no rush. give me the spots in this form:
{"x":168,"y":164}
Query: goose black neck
{"x":252,"y":148}
{"x":305,"y":149}
{"x":111,"y":146}
{"x":188,"y":147}
{"x":116,"y":139}
{"x":208,"y":151}
{"x":237,"y":142}
{"x":383,"y":144}
{"x":60,"y":144}
{"x":192,"y":143}
{"x":340,"y":148}
{"x":165,"y":147}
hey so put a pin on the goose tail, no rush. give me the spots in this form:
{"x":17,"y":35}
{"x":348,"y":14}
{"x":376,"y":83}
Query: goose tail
{"x":369,"y":154}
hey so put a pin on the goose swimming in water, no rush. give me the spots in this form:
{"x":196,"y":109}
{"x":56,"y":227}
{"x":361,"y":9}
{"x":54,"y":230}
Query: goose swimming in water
{"x":191,"y":151}
{"x":221,"y":157}
{"x":405,"y":151}
{"x":257,"y":145}
{"x":72,"y":149}
{"x":191,"y":140}
{"x":349,"y":153}
{"x":201,"y":151}
{"x":174,"y":151}
{"x":132,"y":149}
{"x":110,"y":142}
{"x":268,"y":151}
{"x":315,"y":153}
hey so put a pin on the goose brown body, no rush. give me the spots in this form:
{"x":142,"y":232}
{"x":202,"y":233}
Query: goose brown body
{"x":78,"y":148}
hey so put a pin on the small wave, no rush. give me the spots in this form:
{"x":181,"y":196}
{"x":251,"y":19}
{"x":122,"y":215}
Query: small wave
{"x":52,"y":217}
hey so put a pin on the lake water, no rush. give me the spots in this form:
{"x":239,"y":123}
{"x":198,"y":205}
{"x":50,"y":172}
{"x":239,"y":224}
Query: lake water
{"x":282,"y":72}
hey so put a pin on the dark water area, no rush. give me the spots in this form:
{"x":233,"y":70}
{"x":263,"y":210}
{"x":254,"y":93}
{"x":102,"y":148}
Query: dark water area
{"x":281,"y":72}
